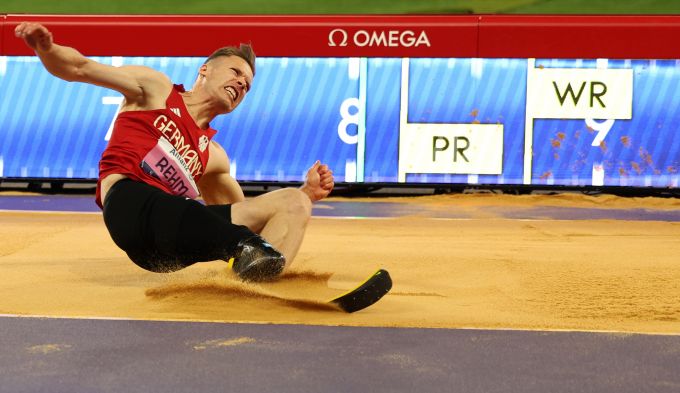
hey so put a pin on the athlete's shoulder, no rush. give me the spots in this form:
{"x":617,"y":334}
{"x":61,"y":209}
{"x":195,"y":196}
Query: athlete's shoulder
{"x":154,"y":87}
{"x":144,"y":73}
{"x":151,"y":80}
{"x":218,"y":147}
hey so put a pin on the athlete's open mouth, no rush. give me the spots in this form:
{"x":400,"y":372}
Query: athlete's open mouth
{"x":232,"y":92}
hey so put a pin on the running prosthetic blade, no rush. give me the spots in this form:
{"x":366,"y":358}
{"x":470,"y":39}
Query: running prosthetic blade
{"x":366,"y":294}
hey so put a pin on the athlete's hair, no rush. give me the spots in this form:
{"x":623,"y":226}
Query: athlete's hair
{"x":244,"y":51}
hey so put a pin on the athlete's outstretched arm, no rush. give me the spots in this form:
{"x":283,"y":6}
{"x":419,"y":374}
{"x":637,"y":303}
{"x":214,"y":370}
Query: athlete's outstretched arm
{"x":134,"y":82}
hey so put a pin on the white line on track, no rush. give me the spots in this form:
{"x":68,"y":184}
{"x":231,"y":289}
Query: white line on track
{"x":79,"y":317}
{"x":354,"y":217}
{"x":47,"y":211}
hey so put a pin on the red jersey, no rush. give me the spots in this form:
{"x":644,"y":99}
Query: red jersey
{"x":163,"y":148}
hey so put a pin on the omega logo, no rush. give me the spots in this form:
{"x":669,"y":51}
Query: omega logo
{"x":386,"y":38}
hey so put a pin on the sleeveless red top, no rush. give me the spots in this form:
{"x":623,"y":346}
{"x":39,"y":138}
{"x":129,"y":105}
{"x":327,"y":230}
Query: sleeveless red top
{"x":163,"y":148}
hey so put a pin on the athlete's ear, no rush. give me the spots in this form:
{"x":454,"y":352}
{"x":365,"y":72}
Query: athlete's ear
{"x":203,"y":70}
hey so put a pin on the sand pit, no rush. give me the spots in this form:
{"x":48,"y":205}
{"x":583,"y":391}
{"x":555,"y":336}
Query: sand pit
{"x":483,"y":272}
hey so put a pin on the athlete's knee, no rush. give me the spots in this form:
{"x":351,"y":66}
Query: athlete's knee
{"x":257,"y":260}
{"x":297,"y":203}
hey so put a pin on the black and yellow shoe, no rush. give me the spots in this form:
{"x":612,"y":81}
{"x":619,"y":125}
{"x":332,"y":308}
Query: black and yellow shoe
{"x":257,"y":260}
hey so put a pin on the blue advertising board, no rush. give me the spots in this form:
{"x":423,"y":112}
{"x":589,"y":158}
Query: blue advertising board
{"x":384,"y":120}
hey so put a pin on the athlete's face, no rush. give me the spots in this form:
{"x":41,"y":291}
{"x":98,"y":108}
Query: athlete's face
{"x":227,"y":79}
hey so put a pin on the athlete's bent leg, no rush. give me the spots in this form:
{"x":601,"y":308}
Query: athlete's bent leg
{"x":280,"y":216}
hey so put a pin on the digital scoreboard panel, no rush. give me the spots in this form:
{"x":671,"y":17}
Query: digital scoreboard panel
{"x":385,"y":119}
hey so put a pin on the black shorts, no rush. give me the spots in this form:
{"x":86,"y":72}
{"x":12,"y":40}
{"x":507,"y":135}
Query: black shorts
{"x":163,"y":233}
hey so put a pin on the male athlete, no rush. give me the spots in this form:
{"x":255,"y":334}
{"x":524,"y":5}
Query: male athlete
{"x":160,"y":157}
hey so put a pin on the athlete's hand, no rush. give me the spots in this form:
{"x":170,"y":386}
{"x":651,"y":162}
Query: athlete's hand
{"x":36,"y":36}
{"x":319,"y":182}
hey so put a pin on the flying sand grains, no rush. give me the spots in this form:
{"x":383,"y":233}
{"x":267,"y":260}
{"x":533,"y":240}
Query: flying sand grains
{"x":223,"y":343}
{"x":603,"y":146}
{"x":636,"y":167}
{"x":625,"y":140}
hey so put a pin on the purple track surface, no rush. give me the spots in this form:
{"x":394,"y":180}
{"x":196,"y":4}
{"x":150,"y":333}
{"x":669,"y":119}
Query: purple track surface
{"x":154,"y":356}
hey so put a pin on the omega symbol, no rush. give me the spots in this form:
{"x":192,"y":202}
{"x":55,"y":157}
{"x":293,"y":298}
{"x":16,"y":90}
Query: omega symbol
{"x":332,"y":35}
